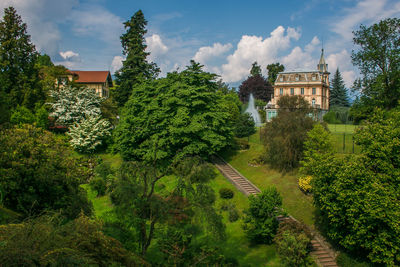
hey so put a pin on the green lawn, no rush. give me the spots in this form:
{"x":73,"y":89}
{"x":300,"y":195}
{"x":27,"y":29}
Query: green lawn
{"x":342,"y":128}
{"x":295,"y":202}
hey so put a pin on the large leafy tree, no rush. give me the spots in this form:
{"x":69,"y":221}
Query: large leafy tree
{"x":284,"y":135}
{"x":135,"y":68}
{"x":257,"y":85}
{"x":169,"y":118}
{"x":358,"y":196}
{"x":273,"y":70}
{"x":378,"y":59}
{"x":338,"y":93}
{"x":18,"y":75}
{"x":38,"y":173}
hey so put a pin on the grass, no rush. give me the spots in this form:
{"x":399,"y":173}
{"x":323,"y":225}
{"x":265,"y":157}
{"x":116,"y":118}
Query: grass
{"x":342,"y":128}
{"x":295,"y":202}
{"x":102,"y":206}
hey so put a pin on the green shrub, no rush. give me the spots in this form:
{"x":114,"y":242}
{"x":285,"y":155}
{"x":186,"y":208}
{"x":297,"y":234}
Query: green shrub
{"x":330,"y":117}
{"x":260,"y":222}
{"x":233,"y":214}
{"x":99,"y":185}
{"x":293,"y":248}
{"x":242,"y":144}
{"x":226,"y":193}
{"x":22,"y":115}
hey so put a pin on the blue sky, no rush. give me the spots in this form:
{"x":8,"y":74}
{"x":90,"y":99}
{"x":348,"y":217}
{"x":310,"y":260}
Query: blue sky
{"x":225,"y":36}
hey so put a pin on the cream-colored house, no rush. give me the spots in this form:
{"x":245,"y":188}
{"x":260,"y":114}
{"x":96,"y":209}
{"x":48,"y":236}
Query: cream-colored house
{"x":313,"y":85}
{"x":101,"y":81}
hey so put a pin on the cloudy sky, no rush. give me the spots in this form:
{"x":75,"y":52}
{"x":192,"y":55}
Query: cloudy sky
{"x":225,"y":36}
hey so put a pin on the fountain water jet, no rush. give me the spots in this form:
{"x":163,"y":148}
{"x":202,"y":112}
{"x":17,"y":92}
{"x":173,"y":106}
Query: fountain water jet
{"x":251,"y":108}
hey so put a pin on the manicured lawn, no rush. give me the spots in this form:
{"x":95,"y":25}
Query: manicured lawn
{"x":342,"y":128}
{"x":295,"y":202}
{"x":101,"y":205}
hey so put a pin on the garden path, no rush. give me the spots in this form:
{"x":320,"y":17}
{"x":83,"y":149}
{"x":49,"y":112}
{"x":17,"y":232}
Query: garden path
{"x":324,"y":255}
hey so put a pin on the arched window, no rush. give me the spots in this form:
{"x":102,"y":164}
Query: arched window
{"x":313,"y":102}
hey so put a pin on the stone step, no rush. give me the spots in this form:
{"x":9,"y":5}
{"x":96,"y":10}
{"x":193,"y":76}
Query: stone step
{"x":319,"y":252}
{"x":326,"y":260}
{"x":329,"y":264}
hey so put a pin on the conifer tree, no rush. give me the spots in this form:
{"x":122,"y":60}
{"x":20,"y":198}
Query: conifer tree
{"x":338,"y":93}
{"x":135,"y":68}
{"x":18,"y":75}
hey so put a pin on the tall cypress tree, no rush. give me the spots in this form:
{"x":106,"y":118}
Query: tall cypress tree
{"x":135,"y":68}
{"x":18,"y":76}
{"x":338,"y":93}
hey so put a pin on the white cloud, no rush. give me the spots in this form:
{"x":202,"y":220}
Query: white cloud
{"x":95,"y":21}
{"x":342,"y":60}
{"x":208,"y":52}
{"x":116,"y":64}
{"x":42,"y":18}
{"x":69,"y":55}
{"x":301,"y":59}
{"x":255,"y":48}
{"x":366,"y":11}
{"x":155,"y":46}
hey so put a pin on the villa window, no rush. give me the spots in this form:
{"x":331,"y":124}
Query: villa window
{"x":297,"y":77}
{"x":313,"y":78}
{"x":281,"y":79}
{"x":313,"y":103}
{"x":302,"y":91}
{"x":281,"y":91}
{"x":292,"y":91}
{"x":314,"y":91}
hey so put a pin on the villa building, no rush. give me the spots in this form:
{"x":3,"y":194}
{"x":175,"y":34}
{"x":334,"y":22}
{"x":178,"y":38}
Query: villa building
{"x":101,"y":81}
{"x":313,"y":85}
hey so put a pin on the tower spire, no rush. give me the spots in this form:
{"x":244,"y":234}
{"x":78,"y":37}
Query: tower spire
{"x":322,"y":66}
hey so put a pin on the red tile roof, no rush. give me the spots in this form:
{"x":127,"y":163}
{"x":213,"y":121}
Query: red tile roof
{"x":92,"y":76}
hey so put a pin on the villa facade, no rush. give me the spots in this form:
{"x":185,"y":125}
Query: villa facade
{"x":101,"y":81}
{"x":313,"y":85}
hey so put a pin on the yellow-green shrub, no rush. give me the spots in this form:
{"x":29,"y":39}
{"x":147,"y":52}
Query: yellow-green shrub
{"x":305,"y":183}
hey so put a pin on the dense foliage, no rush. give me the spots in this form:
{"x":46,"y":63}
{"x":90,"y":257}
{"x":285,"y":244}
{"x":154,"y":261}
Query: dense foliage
{"x":358,"y":195}
{"x":37,"y":173}
{"x":260,"y":223}
{"x":18,"y":75}
{"x":284,"y":135}
{"x":273,"y":70}
{"x":378,"y":60}
{"x":256,"y":85}
{"x":293,"y":242}
{"x":169,"y":118}
{"x":245,"y":125}
{"x":135,"y":67}
{"x":45,"y":241}
{"x":337,"y":92}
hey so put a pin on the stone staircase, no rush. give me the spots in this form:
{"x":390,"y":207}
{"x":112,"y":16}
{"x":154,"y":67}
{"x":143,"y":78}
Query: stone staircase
{"x":321,"y":252}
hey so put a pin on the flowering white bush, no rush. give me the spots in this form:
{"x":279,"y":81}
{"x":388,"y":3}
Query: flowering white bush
{"x":71,"y":105}
{"x":89,"y":133}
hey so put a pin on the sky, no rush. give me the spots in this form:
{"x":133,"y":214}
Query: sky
{"x":225,"y":36}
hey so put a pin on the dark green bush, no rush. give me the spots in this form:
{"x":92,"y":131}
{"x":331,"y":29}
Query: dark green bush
{"x":226,"y":193}
{"x":99,"y":185}
{"x":293,"y":248}
{"x":233,"y":214}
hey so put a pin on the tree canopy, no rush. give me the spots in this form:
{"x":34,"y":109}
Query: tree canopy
{"x":358,"y":195}
{"x":378,"y":59}
{"x":256,"y":85}
{"x":284,"y":135}
{"x":255,"y":69}
{"x":18,"y":75}
{"x":273,"y":70}
{"x":37,"y":173}
{"x":172,"y":117}
{"x":338,"y":93}
{"x":135,"y":67}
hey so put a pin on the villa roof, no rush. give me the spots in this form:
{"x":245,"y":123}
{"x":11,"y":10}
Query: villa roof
{"x":92,"y":76}
{"x":297,"y":71}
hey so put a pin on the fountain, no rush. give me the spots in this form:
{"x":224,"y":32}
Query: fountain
{"x":251,"y":108}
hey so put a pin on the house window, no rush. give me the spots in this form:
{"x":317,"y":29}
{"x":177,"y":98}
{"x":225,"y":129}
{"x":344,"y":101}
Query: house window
{"x":313,"y":78}
{"x":313,"y":103}
{"x":314,"y":91}
{"x":292,"y":91}
{"x":281,"y":91}
{"x":302,"y":91}
{"x":297,"y":77}
{"x":281,"y":79}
